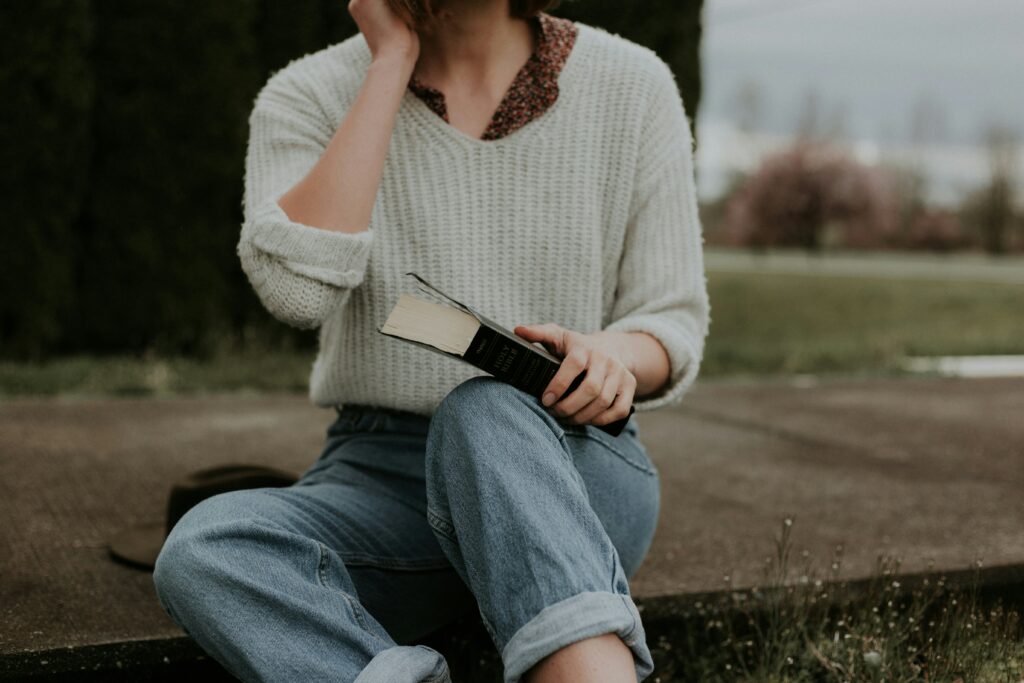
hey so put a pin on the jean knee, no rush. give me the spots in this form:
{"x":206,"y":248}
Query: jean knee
{"x":187,"y":561}
{"x":486,"y":433}
{"x":481,"y":392}
{"x":470,"y":406}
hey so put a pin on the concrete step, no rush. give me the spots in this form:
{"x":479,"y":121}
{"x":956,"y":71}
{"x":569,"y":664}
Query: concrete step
{"x":925,"y":470}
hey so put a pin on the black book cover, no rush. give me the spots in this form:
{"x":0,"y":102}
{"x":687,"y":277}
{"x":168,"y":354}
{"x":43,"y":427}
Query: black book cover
{"x":508,"y":357}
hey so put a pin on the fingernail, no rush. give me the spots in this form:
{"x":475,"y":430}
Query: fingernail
{"x":548,"y":399}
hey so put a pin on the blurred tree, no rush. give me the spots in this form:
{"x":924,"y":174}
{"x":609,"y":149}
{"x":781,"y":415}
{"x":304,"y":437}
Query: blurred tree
{"x":998,"y":205}
{"x":919,"y":225}
{"x":46,"y":86}
{"x":935,"y":230}
{"x":811,"y":195}
{"x":175,"y":83}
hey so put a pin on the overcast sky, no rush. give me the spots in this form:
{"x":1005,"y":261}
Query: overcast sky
{"x":871,"y":59}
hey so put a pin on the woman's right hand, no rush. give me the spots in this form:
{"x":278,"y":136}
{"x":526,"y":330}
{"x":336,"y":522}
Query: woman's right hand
{"x":387,"y":33}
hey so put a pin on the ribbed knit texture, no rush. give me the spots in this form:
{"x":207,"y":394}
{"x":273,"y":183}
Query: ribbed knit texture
{"x":585,"y":217}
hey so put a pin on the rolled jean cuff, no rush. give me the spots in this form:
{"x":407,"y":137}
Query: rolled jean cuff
{"x":406,"y":664}
{"x":574,"y":619}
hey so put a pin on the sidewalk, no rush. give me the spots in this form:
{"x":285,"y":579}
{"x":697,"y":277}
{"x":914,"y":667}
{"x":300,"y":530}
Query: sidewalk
{"x":928,"y":469}
{"x":924,"y":469}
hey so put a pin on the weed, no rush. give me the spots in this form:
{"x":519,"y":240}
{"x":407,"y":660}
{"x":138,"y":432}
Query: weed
{"x":798,"y":627}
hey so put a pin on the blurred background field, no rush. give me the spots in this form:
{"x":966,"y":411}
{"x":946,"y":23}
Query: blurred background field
{"x":767,"y":323}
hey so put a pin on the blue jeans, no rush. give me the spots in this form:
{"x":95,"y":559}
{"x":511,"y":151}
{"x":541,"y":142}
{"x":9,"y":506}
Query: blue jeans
{"x":407,"y":522}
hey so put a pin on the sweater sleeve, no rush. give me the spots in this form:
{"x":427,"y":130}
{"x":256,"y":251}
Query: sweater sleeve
{"x":301,"y":273}
{"x":661,"y":286}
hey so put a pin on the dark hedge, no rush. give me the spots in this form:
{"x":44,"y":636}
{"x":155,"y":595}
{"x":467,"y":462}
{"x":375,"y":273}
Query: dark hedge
{"x":174,"y":85}
{"x":124,"y":132}
{"x":47,"y":87}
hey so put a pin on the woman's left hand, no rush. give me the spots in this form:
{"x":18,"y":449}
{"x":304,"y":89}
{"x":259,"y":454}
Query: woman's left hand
{"x":606,"y":392}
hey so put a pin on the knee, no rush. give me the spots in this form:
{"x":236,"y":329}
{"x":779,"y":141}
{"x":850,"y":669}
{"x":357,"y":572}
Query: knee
{"x":192,"y":552}
{"x":481,"y":395}
{"x":476,"y":410}
{"x":483,"y":408}
{"x":486,"y":428}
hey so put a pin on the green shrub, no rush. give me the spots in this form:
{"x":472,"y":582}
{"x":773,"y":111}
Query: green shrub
{"x":46,"y":87}
{"x":175,"y":83}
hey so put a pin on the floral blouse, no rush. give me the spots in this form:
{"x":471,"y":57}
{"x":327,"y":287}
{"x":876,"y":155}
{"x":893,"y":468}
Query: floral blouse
{"x":535,"y":87}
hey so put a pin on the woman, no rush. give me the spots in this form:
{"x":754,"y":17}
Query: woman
{"x":541,"y":171}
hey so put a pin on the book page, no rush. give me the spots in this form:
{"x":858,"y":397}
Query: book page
{"x":440,"y":326}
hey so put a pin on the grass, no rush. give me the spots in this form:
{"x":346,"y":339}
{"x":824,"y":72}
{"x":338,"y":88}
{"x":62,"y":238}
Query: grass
{"x":762,"y":324}
{"x":155,"y":376}
{"x":801,"y":625}
{"x":784,"y":324}
{"x":801,"y":628}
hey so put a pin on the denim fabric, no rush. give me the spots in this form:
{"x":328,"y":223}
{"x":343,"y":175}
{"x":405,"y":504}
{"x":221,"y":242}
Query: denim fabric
{"x":406,"y":522}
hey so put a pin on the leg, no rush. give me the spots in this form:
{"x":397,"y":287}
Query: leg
{"x":601,"y":658}
{"x":629,"y":514}
{"x":512,"y":510}
{"x":319,"y":581}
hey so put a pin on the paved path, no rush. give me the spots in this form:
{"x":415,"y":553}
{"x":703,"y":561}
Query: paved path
{"x":959,"y":267}
{"x":929,"y":469}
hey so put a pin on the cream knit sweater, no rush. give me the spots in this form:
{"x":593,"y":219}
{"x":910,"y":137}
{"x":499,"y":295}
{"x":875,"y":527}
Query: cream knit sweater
{"x":585,"y":217}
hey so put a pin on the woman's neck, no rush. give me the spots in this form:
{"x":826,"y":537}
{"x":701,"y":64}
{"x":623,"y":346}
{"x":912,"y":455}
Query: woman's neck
{"x":472,"y":43}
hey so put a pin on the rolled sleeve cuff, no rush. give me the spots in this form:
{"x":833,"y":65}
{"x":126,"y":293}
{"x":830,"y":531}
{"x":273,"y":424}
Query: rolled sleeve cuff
{"x":336,"y":258}
{"x":582,"y":616}
{"x":684,"y":359}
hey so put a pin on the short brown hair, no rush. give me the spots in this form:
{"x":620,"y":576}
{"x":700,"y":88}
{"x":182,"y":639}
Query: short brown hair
{"x":422,"y":11}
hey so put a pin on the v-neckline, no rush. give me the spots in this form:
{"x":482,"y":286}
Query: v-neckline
{"x":426,"y":117}
{"x":438,"y":100}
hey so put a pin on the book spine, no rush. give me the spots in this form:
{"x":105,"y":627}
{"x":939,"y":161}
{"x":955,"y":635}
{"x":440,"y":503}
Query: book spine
{"x":520,"y":364}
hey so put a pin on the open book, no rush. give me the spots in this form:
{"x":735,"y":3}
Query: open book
{"x":456,"y":330}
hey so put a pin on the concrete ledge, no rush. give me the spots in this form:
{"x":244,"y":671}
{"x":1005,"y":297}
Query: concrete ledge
{"x":929,"y":470}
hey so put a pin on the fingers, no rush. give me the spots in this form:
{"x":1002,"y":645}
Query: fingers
{"x":538,"y":332}
{"x":601,"y":403}
{"x":591,"y":387}
{"x":620,"y":407}
{"x":549,"y":334}
{"x":606,"y":390}
{"x":572,"y":365}
{"x":387,"y":26}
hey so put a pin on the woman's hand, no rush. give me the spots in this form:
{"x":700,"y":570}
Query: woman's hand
{"x":388,"y":34}
{"x":606,"y":392}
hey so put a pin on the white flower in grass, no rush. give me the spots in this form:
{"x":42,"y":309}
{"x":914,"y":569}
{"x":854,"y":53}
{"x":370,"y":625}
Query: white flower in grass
{"x":873,"y":659}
